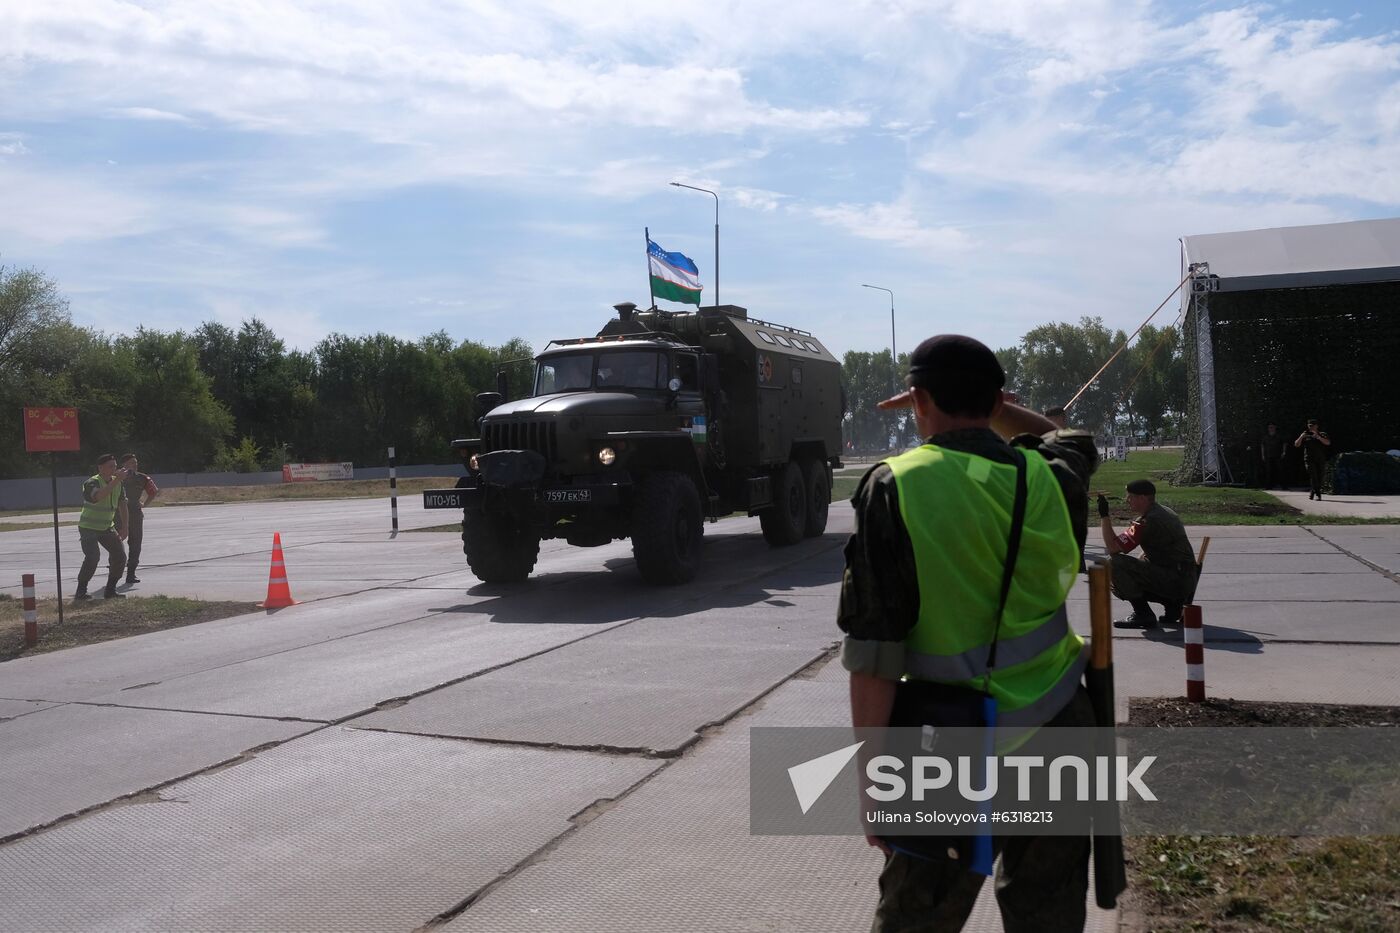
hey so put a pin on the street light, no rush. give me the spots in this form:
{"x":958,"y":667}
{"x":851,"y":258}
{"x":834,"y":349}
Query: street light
{"x":894,"y":354}
{"x":716,"y":197}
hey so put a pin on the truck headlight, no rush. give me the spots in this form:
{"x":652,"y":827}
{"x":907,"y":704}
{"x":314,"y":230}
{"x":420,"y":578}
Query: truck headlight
{"x":474,"y":464}
{"x":606,"y":456}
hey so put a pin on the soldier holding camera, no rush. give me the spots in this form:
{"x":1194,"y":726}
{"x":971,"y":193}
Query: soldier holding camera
{"x":1314,"y":442}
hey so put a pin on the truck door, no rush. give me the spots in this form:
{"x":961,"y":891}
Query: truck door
{"x":690,"y":401}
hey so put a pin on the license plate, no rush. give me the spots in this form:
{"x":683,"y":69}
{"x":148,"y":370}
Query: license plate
{"x":444,"y":498}
{"x":568,"y":495}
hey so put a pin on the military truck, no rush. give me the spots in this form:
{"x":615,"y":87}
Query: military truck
{"x":659,"y":422}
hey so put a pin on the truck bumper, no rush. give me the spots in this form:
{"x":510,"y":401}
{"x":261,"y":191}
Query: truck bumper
{"x":553,"y":501}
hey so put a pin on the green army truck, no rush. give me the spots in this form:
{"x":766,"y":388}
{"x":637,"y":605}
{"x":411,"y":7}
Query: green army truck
{"x":661,"y":421}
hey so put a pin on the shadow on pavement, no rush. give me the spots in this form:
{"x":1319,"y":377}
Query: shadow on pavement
{"x":1217,"y":638}
{"x":616,"y":592}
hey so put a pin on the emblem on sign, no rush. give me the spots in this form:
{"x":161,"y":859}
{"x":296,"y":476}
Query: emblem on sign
{"x":765,"y":369}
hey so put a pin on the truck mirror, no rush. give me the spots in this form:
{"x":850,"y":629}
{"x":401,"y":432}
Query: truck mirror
{"x":485,"y":401}
{"x":502,"y":387}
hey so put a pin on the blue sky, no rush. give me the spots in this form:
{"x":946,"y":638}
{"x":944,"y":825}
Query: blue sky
{"x":487,"y":168}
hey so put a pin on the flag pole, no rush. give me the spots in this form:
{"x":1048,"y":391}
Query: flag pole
{"x":647,"y":231}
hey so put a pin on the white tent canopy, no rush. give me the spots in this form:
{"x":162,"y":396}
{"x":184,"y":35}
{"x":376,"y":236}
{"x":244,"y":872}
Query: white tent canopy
{"x":1298,"y":257}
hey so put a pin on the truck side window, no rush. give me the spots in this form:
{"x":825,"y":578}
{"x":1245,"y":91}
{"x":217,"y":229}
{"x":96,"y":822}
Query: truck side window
{"x":688,"y":372}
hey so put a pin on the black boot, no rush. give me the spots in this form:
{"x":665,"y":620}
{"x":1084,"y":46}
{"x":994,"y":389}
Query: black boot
{"x":111,"y":593}
{"x":1143,"y":617}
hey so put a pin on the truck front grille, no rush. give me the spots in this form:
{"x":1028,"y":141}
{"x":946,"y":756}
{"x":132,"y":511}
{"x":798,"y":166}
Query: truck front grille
{"x":520,"y":435}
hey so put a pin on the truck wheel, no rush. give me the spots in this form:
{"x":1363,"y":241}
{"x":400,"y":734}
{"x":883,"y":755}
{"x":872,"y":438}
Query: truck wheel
{"x":667,"y":529}
{"x":786,"y":521}
{"x":498,"y":551}
{"x":818,"y":497}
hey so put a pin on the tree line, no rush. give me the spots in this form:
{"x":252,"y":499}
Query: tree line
{"x":218,"y":398}
{"x":1143,"y":393}
{"x":224,"y":399}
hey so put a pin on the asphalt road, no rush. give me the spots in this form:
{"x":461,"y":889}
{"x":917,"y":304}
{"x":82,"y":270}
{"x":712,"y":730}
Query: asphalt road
{"x":411,"y":747}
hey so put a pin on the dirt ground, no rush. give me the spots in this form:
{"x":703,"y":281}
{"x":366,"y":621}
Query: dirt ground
{"x":1253,"y":884}
{"x":103,"y":620}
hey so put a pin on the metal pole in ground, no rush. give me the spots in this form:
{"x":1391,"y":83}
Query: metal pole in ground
{"x":31,"y":613}
{"x":57,"y":555}
{"x":1194,"y":636}
{"x":393,"y":490}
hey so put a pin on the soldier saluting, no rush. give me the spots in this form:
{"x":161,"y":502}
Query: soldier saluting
{"x":102,"y":524}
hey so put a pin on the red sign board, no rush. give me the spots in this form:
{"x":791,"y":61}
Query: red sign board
{"x":50,"y":429}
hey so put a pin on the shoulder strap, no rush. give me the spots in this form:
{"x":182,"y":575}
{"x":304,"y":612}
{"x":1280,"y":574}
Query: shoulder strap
{"x":1013,"y":547}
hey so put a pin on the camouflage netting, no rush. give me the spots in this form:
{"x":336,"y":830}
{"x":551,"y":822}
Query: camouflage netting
{"x":1286,"y":355}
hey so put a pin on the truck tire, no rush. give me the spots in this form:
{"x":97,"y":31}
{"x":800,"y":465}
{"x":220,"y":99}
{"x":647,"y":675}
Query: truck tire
{"x":667,"y":529}
{"x":498,"y":551}
{"x":818,"y":497}
{"x":786,"y":521}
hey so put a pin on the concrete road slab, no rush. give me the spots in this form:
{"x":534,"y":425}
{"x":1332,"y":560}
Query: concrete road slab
{"x":600,"y":879}
{"x":1233,"y":563}
{"x":637,"y":687}
{"x":1246,"y":545}
{"x":342,"y":830}
{"x":92,"y":670}
{"x":12,"y":709}
{"x":1285,"y":673}
{"x":180,"y":535}
{"x":1244,"y":622}
{"x":335,"y":679}
{"x":62,"y":760}
{"x":1298,"y":587}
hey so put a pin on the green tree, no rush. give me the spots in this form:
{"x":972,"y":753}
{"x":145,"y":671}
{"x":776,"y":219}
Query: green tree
{"x":30,"y":303}
{"x":175,"y":423}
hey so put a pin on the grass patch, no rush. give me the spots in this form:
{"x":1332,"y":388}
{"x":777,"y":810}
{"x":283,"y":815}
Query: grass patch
{"x":1197,"y":505}
{"x":87,"y":623}
{"x":30,"y":526}
{"x":455,"y":527}
{"x":1252,"y":884}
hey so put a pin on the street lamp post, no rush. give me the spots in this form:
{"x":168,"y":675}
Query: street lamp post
{"x":716,"y":197}
{"x":894,"y":354}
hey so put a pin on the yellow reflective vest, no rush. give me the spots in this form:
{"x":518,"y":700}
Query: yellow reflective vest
{"x":957,"y":509}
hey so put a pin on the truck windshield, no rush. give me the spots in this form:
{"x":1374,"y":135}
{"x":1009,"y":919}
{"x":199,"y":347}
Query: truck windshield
{"x":564,"y":374}
{"x":630,"y":369}
{"x":620,"y":369}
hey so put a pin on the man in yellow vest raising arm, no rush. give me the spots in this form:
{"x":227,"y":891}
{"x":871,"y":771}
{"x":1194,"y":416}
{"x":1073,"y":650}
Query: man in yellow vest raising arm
{"x":102,"y":523}
{"x":922,"y":599}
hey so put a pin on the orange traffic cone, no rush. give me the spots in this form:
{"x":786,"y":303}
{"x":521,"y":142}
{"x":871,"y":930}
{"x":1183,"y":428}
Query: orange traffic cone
{"x":279,"y":594}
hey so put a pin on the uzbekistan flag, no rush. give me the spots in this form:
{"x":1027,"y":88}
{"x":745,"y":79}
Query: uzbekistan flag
{"x":673,"y":275}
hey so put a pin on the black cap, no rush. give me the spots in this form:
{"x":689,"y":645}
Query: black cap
{"x":955,"y":358}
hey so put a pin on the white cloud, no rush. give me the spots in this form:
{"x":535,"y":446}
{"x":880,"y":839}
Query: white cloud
{"x":895,"y":222}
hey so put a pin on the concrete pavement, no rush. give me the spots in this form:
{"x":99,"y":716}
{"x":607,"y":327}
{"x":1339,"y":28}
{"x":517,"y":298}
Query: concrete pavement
{"x":412,"y":746}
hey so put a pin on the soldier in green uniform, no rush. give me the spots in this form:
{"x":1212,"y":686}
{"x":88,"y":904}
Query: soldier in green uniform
{"x":1272,"y":447}
{"x":136,"y":484}
{"x":102,"y":524}
{"x":1166,"y":573}
{"x":923,"y":571}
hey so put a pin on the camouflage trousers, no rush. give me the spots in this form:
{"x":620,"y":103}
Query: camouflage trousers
{"x":1138,"y":579}
{"x":1041,"y":881}
{"x":1041,"y":886}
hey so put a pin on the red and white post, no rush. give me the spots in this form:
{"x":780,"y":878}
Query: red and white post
{"x":31,"y":612}
{"x":1194,"y":635}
